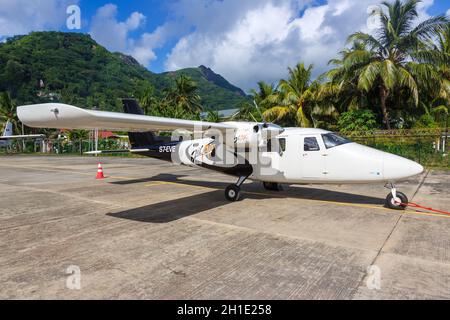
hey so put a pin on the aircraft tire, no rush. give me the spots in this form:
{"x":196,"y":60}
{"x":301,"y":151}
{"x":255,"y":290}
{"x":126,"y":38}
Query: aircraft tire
{"x":390,"y":202}
{"x":272,"y":186}
{"x":232,"y":193}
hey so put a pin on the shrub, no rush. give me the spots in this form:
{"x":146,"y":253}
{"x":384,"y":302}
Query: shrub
{"x":357,"y":120}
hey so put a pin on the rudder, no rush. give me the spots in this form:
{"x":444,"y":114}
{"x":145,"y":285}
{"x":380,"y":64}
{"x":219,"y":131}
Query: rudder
{"x":138,"y":140}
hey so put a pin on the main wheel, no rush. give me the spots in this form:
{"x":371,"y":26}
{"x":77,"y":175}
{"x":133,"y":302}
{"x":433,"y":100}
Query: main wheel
{"x":400,"y":203}
{"x":272,"y":186}
{"x":232,"y":192}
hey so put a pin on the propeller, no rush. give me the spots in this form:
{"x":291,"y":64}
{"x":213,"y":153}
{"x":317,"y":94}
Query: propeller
{"x":272,"y":129}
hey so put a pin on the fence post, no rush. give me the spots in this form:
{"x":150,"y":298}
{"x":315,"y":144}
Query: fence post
{"x":444,"y":143}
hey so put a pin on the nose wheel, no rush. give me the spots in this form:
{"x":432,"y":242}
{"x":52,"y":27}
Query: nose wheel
{"x":232,"y":193}
{"x":396,"y":200}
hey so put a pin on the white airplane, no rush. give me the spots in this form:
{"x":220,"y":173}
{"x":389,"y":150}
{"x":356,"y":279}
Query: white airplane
{"x":7,"y":138}
{"x":256,"y":151}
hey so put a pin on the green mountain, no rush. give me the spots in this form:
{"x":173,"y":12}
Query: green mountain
{"x":72,"y":68}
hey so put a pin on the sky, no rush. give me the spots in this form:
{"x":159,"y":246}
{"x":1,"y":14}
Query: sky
{"x":244,"y":40}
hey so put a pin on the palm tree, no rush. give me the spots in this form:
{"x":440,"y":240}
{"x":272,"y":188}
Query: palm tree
{"x":8,"y":111}
{"x":248,"y":112}
{"x":261,"y":96}
{"x":439,"y":102}
{"x":184,"y":95}
{"x":341,"y":90}
{"x":294,"y":99}
{"x":441,"y":52}
{"x":212,"y":116}
{"x":148,"y":99}
{"x":390,"y":61}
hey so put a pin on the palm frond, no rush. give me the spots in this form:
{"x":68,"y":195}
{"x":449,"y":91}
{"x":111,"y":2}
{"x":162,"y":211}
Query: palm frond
{"x":388,"y":74}
{"x":407,"y":80}
{"x":368,"y":40}
{"x":369,"y":75}
{"x":430,"y":28}
{"x":277,"y":113}
{"x":302,"y":119}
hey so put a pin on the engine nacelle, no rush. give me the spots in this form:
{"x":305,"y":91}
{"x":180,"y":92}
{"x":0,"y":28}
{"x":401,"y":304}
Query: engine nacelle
{"x":256,"y":134}
{"x":246,"y":137}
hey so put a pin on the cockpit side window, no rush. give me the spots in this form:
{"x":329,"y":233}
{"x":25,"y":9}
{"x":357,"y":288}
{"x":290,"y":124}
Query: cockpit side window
{"x":311,"y":144}
{"x":332,"y":140}
{"x":282,"y":142}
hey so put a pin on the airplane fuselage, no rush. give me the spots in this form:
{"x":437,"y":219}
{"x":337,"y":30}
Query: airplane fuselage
{"x":294,"y":156}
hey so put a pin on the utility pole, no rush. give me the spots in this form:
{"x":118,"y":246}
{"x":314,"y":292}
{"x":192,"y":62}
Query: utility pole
{"x":23,"y":141}
{"x":445,"y":135}
{"x":96,"y":136}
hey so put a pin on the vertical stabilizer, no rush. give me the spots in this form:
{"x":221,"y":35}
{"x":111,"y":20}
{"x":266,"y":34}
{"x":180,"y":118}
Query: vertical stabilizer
{"x":138,"y":140}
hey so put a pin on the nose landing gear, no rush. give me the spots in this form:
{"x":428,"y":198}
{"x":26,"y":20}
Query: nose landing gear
{"x":395,"y":199}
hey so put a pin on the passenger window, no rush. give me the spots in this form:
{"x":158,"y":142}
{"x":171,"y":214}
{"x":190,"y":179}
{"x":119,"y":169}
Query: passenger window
{"x":311,"y":144}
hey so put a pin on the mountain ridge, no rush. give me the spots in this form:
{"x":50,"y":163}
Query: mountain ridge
{"x":73,"y":68}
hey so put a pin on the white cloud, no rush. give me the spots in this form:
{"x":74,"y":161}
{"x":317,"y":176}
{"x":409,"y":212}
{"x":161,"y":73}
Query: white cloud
{"x":448,"y":13}
{"x":257,"y":40}
{"x":115,"y":35}
{"x":111,"y":33}
{"x":23,"y":16}
{"x":260,"y":41}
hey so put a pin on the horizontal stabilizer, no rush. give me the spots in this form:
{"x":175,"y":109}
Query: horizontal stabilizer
{"x":116,"y":151}
{"x":23,"y":137}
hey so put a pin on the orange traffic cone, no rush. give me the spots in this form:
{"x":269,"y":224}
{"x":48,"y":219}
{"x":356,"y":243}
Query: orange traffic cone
{"x":100,"y":172}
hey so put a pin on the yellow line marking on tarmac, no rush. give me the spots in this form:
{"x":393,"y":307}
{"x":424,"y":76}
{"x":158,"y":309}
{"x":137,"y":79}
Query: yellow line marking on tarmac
{"x":346,"y":204}
{"x":66,"y":171}
{"x":155,"y":183}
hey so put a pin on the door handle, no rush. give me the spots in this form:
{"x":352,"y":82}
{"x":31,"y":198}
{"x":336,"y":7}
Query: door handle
{"x":325,"y":154}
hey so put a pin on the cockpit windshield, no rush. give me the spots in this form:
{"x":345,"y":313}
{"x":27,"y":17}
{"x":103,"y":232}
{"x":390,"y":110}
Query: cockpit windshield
{"x":332,"y":140}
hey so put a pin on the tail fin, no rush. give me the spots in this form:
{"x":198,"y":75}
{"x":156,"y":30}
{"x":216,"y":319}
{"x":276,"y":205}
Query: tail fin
{"x":138,"y":140}
{"x":8,"y":129}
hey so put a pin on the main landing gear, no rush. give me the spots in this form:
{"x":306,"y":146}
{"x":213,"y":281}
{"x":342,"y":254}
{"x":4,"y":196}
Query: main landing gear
{"x":233,"y":191}
{"x":272,"y":186}
{"x":395,"y":199}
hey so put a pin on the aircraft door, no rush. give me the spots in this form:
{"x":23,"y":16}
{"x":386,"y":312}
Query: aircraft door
{"x":312,"y":159}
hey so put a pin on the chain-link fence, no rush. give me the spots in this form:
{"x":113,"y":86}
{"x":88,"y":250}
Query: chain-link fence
{"x":428,"y":147}
{"x":64,"y":146}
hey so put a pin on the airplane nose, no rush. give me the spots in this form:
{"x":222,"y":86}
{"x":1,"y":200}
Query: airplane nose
{"x":396,"y":167}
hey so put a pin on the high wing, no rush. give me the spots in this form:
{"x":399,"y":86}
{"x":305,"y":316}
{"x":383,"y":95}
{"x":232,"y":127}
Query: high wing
{"x":57,"y":115}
